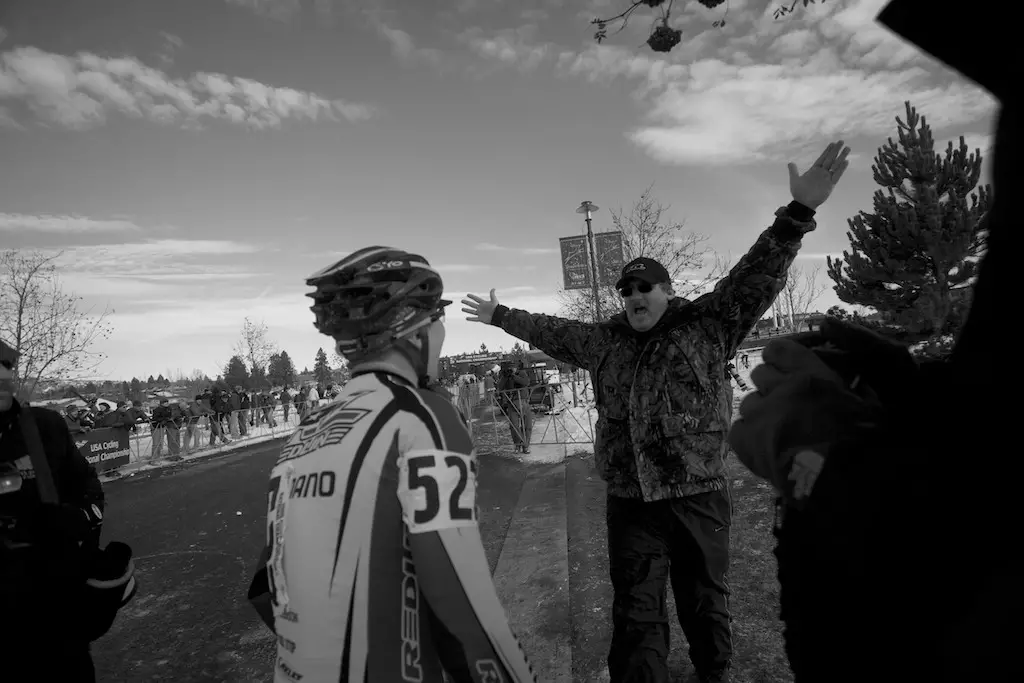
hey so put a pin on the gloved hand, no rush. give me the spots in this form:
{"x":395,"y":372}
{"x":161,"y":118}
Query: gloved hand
{"x":884,"y":368}
{"x":801,"y":407}
{"x":110,"y":586}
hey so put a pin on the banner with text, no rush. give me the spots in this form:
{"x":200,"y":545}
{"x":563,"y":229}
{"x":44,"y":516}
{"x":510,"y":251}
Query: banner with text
{"x":575,"y":262}
{"x":610,"y":257}
{"x":105,"y":449}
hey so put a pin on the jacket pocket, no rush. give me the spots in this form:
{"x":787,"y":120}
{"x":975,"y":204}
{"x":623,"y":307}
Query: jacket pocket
{"x":692,"y":447}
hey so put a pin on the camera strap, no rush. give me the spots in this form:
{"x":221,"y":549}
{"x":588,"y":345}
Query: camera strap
{"x":44,"y":477}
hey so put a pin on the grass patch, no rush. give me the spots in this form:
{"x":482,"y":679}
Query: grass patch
{"x":757,"y":632}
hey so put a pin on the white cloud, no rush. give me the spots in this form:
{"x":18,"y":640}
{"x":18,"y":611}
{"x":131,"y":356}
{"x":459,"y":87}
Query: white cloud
{"x":460,"y":267}
{"x":280,"y":10}
{"x":7,"y":120}
{"x":733,"y":114}
{"x":174,"y":267}
{"x":54,"y":223}
{"x":512,"y":47}
{"x":82,"y":91}
{"x":759,"y":88}
{"x":403,"y":47}
{"x":488,"y":246}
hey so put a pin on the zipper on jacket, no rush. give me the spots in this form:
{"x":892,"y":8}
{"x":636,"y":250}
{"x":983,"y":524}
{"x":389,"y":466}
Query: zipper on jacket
{"x":636,"y":368}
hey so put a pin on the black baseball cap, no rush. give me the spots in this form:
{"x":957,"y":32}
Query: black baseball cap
{"x":646,"y":269}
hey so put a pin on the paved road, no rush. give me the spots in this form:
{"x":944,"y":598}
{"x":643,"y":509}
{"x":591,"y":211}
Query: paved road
{"x":197,"y":530}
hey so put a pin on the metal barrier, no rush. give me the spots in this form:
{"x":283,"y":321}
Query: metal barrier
{"x":149,"y":443}
{"x":560,"y":413}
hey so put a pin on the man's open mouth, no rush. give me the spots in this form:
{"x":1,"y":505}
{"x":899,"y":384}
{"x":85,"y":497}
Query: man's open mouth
{"x":639,"y":310}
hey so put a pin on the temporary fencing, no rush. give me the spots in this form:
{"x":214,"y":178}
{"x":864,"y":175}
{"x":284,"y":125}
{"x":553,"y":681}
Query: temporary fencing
{"x":561,"y":413}
{"x":109,"y":448}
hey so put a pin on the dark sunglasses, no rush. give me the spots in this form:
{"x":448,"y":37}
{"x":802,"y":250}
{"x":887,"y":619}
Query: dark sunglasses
{"x":643,"y":288}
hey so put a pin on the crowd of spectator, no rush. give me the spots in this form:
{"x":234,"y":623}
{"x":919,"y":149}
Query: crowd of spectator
{"x":177,"y":424}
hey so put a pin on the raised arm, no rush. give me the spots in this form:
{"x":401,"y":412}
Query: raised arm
{"x":745,"y":294}
{"x":569,"y":341}
{"x":739,"y":299}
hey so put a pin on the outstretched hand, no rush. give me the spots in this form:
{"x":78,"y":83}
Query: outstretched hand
{"x":479,"y":309}
{"x":814,"y":186}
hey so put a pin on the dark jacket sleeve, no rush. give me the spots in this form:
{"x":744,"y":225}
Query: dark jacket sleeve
{"x":569,"y":341}
{"x":745,"y":294}
{"x":77,"y":481}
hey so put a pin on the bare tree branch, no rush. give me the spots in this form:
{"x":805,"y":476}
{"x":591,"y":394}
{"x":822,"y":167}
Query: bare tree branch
{"x":45,"y":323}
{"x":799,"y":293}
{"x":255,"y":345}
{"x":648,"y":231}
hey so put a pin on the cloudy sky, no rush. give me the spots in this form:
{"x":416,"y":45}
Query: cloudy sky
{"x":195,"y":160}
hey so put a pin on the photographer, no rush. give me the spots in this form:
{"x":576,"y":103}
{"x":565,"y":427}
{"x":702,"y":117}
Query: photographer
{"x":514,"y":395}
{"x":896,"y":480}
{"x":58,"y":589}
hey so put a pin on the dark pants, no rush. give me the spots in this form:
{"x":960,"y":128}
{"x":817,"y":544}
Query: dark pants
{"x":521,"y":422}
{"x":685,"y":541}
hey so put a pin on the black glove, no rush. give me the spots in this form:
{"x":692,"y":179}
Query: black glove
{"x":110,"y":586}
{"x":65,"y":522}
{"x":801,"y":407}
{"x":863,"y":357}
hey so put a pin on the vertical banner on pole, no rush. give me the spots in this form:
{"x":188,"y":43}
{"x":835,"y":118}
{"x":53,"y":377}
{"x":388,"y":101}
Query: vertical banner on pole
{"x":611,"y":257}
{"x":575,"y":266}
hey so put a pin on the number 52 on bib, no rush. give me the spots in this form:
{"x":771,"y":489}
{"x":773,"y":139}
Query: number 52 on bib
{"x":437,"y":490}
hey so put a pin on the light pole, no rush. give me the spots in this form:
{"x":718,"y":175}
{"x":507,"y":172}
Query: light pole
{"x":587,"y":208}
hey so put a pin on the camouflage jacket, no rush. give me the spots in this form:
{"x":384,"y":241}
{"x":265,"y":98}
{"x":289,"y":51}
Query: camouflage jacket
{"x":664,"y":402}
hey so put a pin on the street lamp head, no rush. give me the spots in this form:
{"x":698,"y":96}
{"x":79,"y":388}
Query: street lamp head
{"x":587,"y":207}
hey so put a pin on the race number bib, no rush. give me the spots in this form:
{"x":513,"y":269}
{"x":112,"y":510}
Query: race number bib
{"x":437,"y":490}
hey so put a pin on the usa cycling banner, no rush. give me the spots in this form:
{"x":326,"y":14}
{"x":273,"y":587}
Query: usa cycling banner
{"x":105,"y":449}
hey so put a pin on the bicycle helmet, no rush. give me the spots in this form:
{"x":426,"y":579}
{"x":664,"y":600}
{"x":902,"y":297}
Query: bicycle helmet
{"x":377,"y":298}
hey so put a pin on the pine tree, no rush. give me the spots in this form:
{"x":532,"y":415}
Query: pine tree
{"x":150,"y":382}
{"x":321,"y":368}
{"x":136,"y":395}
{"x":915,"y":257}
{"x":258,"y":378}
{"x":280,"y":369}
{"x":518,"y":354}
{"x":235,"y":373}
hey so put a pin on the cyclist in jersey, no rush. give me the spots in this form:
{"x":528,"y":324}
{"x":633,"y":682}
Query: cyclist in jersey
{"x":374,"y":569}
